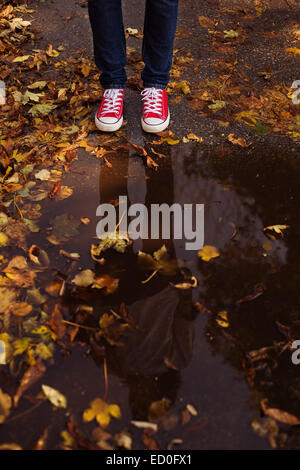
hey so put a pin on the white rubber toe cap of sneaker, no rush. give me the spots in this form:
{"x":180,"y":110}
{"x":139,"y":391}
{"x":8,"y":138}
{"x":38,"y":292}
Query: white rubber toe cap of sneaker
{"x":108,"y":120}
{"x":153,"y":121}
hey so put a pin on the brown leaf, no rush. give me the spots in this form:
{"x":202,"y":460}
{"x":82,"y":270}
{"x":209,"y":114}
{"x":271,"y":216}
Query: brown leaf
{"x":41,"y":442}
{"x":259,"y":290}
{"x":279,"y":415}
{"x":206,"y":22}
{"x":240,"y":141}
{"x":54,"y":190}
{"x":148,"y":440}
{"x":4,"y":158}
{"x":79,"y":438}
{"x":201,"y":308}
{"x":56,"y":322}
{"x":143,"y":153}
{"x":185,"y":417}
{"x":20,"y":309}
{"x":32,"y":375}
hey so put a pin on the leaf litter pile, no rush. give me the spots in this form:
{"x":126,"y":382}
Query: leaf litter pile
{"x":44,"y":121}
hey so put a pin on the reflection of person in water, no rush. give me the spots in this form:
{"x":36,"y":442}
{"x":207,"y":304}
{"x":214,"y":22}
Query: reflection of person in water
{"x":161,"y":344}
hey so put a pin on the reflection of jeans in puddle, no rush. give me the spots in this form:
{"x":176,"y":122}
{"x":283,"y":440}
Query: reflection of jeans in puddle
{"x":164,"y":335}
{"x":156,"y":350}
{"x":136,"y":189}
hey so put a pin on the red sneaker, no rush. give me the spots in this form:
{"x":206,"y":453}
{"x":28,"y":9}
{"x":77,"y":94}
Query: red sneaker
{"x":156,"y":115}
{"x":109,"y":117}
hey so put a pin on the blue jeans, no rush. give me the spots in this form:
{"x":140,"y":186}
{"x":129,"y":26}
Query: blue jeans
{"x":110,"y":45}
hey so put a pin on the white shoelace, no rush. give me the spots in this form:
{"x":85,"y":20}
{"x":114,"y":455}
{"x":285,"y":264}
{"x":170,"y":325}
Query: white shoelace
{"x":153,"y":101}
{"x":112,"y":102}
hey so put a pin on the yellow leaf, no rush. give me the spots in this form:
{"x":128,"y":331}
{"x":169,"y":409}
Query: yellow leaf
{"x":88,"y":415}
{"x":5,"y":405}
{"x":223,"y":319}
{"x":115,"y":411}
{"x":21,"y":58}
{"x":102,"y":412}
{"x":103,"y":418}
{"x":277,"y":228}
{"x":208,"y":252}
{"x":85,"y":69}
{"x":3,"y":239}
{"x":192,"y":136}
{"x":293,"y":50}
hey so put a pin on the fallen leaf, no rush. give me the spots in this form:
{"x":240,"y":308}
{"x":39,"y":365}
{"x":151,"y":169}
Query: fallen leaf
{"x":148,"y":440}
{"x":293,"y":50}
{"x":217,"y":105}
{"x":65,"y":227}
{"x":279,"y":415}
{"x":5,"y":405}
{"x":20,"y":309}
{"x":145,"y":425}
{"x":207,"y":252}
{"x":158,"y":409}
{"x":31,"y":376}
{"x":21,"y":58}
{"x":222,"y":319}
{"x":106,"y":282}
{"x":56,"y":322}
{"x":7,"y":296}
{"x":84,"y":278}
{"x":43,"y":175}
{"x":230,"y":34}
{"x":41,"y":109}
{"x":277,"y":228}
{"x":160,"y":261}
{"x":205,"y":22}
{"x":102,"y":412}
{"x":54,"y":396}
{"x":3,"y":239}
{"x":240,"y":141}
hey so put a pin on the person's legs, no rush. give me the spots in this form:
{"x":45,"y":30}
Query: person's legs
{"x":159,"y":33}
{"x":109,"y":41}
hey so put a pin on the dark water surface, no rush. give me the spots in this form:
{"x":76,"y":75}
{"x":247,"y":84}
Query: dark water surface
{"x":243,"y":192}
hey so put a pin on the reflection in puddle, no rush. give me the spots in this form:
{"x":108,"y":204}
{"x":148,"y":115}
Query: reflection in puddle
{"x":157,"y":347}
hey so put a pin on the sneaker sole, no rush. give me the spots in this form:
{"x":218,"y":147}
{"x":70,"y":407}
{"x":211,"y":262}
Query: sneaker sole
{"x":155,"y":127}
{"x":102,"y":126}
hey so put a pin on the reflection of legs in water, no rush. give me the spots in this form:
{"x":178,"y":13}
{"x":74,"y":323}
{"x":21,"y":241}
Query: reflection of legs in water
{"x":152,"y":354}
{"x":136,"y":189}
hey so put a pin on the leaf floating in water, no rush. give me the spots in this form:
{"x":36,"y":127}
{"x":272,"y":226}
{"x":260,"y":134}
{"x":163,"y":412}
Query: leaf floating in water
{"x":5,"y":405}
{"x":208,"y":252}
{"x":106,"y":282}
{"x":276,"y":228}
{"x":102,"y":412}
{"x":222,"y":319}
{"x":118,"y":241}
{"x":54,"y":396}
{"x":160,"y":262}
{"x":32,"y":375}
{"x":84,"y":278}
{"x":145,"y":425}
{"x":279,"y":415}
{"x":65,"y":227}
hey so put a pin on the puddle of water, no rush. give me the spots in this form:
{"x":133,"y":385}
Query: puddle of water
{"x":242,"y":195}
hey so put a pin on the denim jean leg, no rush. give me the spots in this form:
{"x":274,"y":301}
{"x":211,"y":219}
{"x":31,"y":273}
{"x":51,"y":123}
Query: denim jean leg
{"x":109,"y":41}
{"x":159,"y":33}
